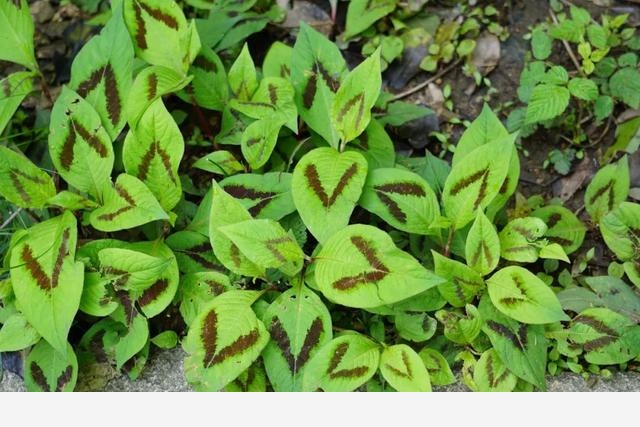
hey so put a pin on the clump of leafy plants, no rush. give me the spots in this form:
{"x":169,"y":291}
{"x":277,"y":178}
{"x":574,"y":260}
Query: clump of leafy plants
{"x":312,"y":257}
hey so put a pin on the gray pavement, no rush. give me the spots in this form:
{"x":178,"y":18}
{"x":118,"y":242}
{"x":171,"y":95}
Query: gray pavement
{"x":164,"y":373}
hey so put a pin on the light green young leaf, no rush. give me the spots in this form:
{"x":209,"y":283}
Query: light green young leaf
{"x":193,"y":250}
{"x":17,"y":334}
{"x":360,"y":266}
{"x":553,"y":251}
{"x":49,"y":370}
{"x":317,"y":68}
{"x":225,"y":210}
{"x":625,"y":85}
{"x":482,"y":248}
{"x":343,"y":364}
{"x":264,"y":195}
{"x":71,"y":201}
{"x":223,"y":341}
{"x":459,"y":327}
{"x":521,"y":295}
{"x":272,"y":100}
{"x":416,"y":327}
{"x":220,"y":162}
{"x":165,"y":340}
{"x":584,"y":89}
{"x":299,"y":324}
{"x":152,"y":152}
{"x":13,"y":89}
{"x":16,"y":38}
{"x":252,"y":380}
{"x":541,"y":44}
{"x":277,"y":62}
{"x":547,"y":102}
{"x":242,"y":76}
{"x":475,"y":181}
{"x":326,"y":185}
{"x":96,"y":300}
{"x":265,"y":243}
{"x":484,"y":129}
{"x":402,"y":198}
{"x":563,"y":227}
{"x":619,"y":230}
{"x":23,"y":183}
{"x":209,"y":87}
{"x":197,"y":289}
{"x":79,"y":145}
{"x":607,"y":337}
{"x":608,"y":188}
{"x":490,"y":374}
{"x":361,"y":14}
{"x":351,"y":107}
{"x":440,"y":373}
{"x":133,"y":333}
{"x":462,"y":284}
{"x":259,"y":139}
{"x":101,"y":73}
{"x":130,"y":270}
{"x":403,"y":369}
{"x":518,"y":238}
{"x":127,"y":204}
{"x":46,"y":279}
{"x":522,"y":348}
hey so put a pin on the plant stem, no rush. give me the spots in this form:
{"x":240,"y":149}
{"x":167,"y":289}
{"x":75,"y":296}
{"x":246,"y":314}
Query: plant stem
{"x":567,"y":47}
{"x":45,"y":88}
{"x":447,"y":248}
{"x":426,"y":82}
{"x":11,"y":218}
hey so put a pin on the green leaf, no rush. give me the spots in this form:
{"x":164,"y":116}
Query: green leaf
{"x":583,"y":89}
{"x":518,"y":238}
{"x":264,"y":195}
{"x":361,"y":14}
{"x":619,"y":230}
{"x":603,"y":107}
{"x":299,"y":324}
{"x":13,"y":90}
{"x":522,"y":348}
{"x":47,"y":281}
{"x":220,"y":162}
{"x":484,"y":129}
{"x":608,"y":188}
{"x":272,"y":100}
{"x":343,"y":364}
{"x":133,"y":332}
{"x":17,"y":334}
{"x":127,"y":204}
{"x":161,"y":34}
{"x":325,"y":186}
{"x":243,"y":78}
{"x":96,"y":299}
{"x":209,"y":87}
{"x":223,"y":341}
{"x":253,"y":379}
{"x":482,"y":248}
{"x":398,"y":113}
{"x":547,"y":102}
{"x":360,"y":266}
{"x":165,"y":339}
{"x":541,"y":44}
{"x":625,"y":85}
{"x":23,"y":183}
{"x":130,"y":270}
{"x":433,"y":169}
{"x":265,"y":243}
{"x":317,"y":68}
{"x":49,"y":370}
{"x":606,"y":337}
{"x":521,"y":295}
{"x":402,"y":198}
{"x":277,"y":62}
{"x":193,"y":251}
{"x":101,"y":73}
{"x":462,"y":283}
{"x":475,"y":181}
{"x":351,"y":107}
{"x":608,"y":292}
{"x":152,"y":152}
{"x":553,"y":251}
{"x":79,"y":145}
{"x":490,"y":374}
{"x":225,"y":210}
{"x":197,"y":289}
{"x":563,"y":227}
{"x":439,"y":371}
{"x":259,"y":139}
{"x":16,"y":39}
{"x":375,"y":145}
{"x":568,"y":30}
{"x":416,"y":327}
{"x":461,"y":328}
{"x":403,"y":369}
{"x":71,"y":201}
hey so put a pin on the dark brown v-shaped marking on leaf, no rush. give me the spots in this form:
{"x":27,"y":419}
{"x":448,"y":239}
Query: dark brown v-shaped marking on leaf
{"x":406,"y":373}
{"x":281,"y":338}
{"x":519,"y":341}
{"x":114,"y":105}
{"x":195,"y":252}
{"x":92,"y":140}
{"x":402,"y":188}
{"x":38,"y":376}
{"x":331,"y":83}
{"x":36,"y":270}
{"x":152,"y":89}
{"x":155,"y":13}
{"x":338,"y":355}
{"x":524,"y":294}
{"x":22,"y":192}
{"x":263,"y":198}
{"x":356,"y":100}
{"x":272,"y":246}
{"x":156,"y":150}
{"x":482,"y":249}
{"x":124,"y":194}
{"x":313,"y":179}
{"x":205,"y":64}
{"x":601,"y":191}
{"x":152,"y":292}
{"x":209,"y":338}
{"x":64,"y":378}
{"x":380,"y":270}
{"x":482,"y":174}
{"x":609,"y":334}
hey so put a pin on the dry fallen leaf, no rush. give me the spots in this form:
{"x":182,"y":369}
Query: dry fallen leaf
{"x":486,"y":56}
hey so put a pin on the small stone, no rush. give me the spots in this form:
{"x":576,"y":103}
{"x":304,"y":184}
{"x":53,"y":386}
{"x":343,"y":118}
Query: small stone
{"x":41,"y":11}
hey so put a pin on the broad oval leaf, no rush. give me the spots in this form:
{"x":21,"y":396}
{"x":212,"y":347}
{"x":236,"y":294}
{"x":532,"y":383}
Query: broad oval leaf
{"x":403,"y":369}
{"x":563,"y":227}
{"x":326,"y":185}
{"x":361,"y":14}
{"x":126,"y":204}
{"x":360,"y":266}
{"x":606,"y":337}
{"x":101,"y":73}
{"x":343,"y":364}
{"x":46,"y":279}
{"x":621,"y":230}
{"x":264,"y":195}
{"x":15,"y":87}
{"x":16,"y":39}
{"x":299,"y":324}
{"x":17,"y":334}
{"x":490,"y":374}
{"x":259,"y":139}
{"x":272,"y":99}
{"x":482,"y":248}
{"x":79,"y":145}
{"x":277,"y":62}
{"x":23,"y":183}
{"x":49,"y":370}
{"x":475,"y":181}
{"x":96,"y":299}
{"x":224,"y":340}
{"x":416,"y":327}
{"x":152,"y":152}
{"x":440,"y":373}
{"x":521,"y":295}
{"x":547,"y":102}
{"x":220,"y":162}
{"x":518,"y":238}
{"x":608,"y":188}
{"x":462,"y":284}
{"x":402,"y":198}
{"x":193,"y":252}
{"x":461,"y":327}
{"x":209,"y":87}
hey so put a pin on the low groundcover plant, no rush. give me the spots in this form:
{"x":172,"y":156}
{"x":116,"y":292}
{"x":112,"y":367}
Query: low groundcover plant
{"x":312,"y":256}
